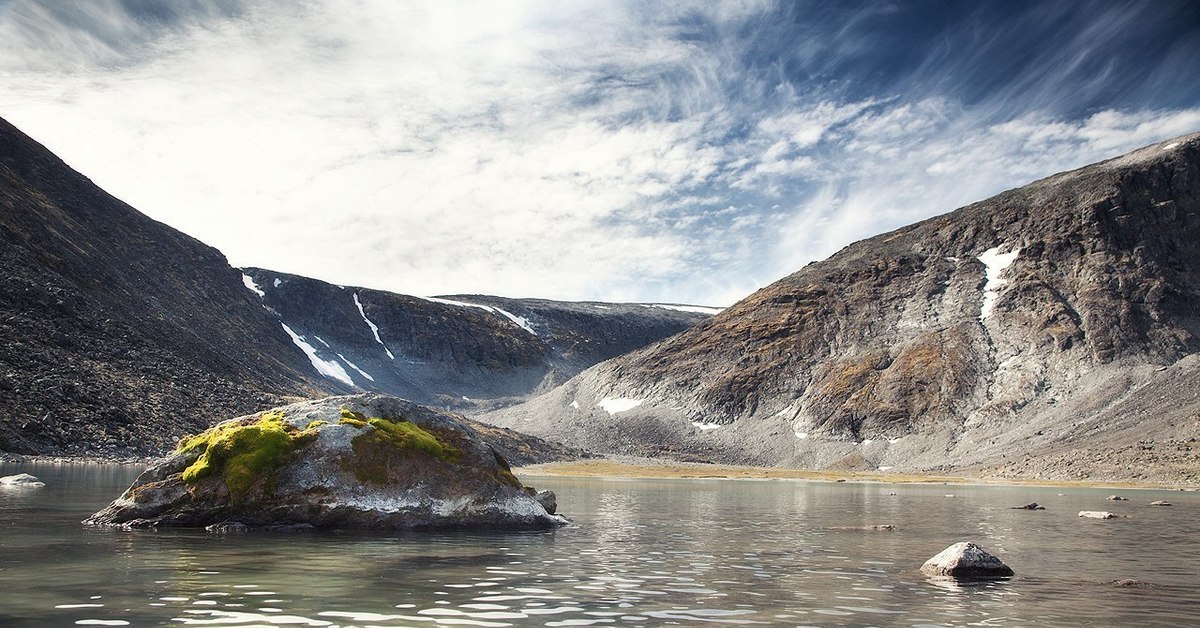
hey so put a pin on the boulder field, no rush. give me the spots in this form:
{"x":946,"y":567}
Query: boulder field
{"x":365,"y":461}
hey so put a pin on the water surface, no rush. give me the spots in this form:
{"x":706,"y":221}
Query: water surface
{"x":641,"y":553}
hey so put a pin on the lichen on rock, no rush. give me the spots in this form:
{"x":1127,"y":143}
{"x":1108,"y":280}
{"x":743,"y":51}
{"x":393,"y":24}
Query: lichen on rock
{"x":361,"y":461}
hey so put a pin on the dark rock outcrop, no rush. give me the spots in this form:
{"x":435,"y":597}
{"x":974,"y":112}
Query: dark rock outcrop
{"x":965,"y":560}
{"x":464,"y":352}
{"x":361,"y":462}
{"x":1048,"y":324}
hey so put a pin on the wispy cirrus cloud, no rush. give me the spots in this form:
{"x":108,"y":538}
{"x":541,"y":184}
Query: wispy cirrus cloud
{"x":580,"y":150}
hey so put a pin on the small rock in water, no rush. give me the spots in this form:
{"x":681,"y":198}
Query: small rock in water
{"x":548,"y":501}
{"x":884,"y":527}
{"x":966,"y":560}
{"x":1117,"y":498}
{"x":1030,"y":506}
{"x":1133,"y":584}
{"x":21,"y":479}
{"x":226,"y":527}
{"x":1096,"y":514}
{"x":1160,"y":503}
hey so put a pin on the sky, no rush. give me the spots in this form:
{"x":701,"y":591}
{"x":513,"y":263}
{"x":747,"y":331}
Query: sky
{"x":682,"y":152}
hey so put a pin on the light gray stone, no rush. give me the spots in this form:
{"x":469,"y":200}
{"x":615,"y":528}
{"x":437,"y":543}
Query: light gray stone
{"x":966,"y":560}
{"x":21,"y":480}
{"x":1096,"y":514}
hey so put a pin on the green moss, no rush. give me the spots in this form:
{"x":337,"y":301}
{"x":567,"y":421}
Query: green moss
{"x":315,"y":424}
{"x":351,"y":417}
{"x":244,"y":453}
{"x":406,"y":435}
{"x":375,"y":451}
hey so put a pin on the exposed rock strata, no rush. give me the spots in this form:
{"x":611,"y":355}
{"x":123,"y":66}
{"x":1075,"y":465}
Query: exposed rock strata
{"x":363,"y":461}
{"x":1049,"y":323}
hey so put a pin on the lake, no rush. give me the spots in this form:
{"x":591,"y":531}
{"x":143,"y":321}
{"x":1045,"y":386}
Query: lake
{"x":640,"y":553}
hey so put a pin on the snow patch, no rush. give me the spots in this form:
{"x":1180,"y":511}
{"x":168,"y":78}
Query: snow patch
{"x":278,"y":282}
{"x":995,"y":264}
{"x":602,"y":307}
{"x":519,"y":321}
{"x":374,"y":328}
{"x":696,"y":309}
{"x":322,"y":341}
{"x":353,"y":366}
{"x":1171,"y":145}
{"x":575,"y":404}
{"x":328,"y":368}
{"x":802,"y":435}
{"x":885,"y":468}
{"x":248,"y":281}
{"x":705,"y":427}
{"x":620,"y":404}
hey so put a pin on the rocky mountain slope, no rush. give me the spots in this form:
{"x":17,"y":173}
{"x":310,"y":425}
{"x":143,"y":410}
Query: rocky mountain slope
{"x":464,"y":351}
{"x":120,"y":333}
{"x":1055,"y":322}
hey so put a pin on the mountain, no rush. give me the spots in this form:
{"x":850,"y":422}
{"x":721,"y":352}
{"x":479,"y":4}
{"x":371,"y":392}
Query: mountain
{"x":119,"y":332}
{"x":463,"y":351}
{"x":1052,"y":330}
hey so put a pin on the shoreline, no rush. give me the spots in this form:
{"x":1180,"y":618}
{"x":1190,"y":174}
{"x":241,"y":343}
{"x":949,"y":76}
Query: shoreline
{"x":658,"y":469}
{"x":627,"y":467}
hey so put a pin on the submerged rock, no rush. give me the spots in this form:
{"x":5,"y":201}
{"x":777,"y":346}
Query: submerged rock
{"x":1096,"y":514}
{"x":1030,"y":506}
{"x":361,"y":461}
{"x":965,"y":560}
{"x":21,"y":479}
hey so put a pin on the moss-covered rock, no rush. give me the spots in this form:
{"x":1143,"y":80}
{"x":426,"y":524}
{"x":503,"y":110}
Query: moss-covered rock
{"x":362,"y":461}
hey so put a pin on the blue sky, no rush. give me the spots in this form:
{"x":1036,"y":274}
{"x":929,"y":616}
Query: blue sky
{"x":678,"y":152}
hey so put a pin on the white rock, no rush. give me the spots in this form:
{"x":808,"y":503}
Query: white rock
{"x":966,"y":560}
{"x":1096,"y":514}
{"x":21,"y":479}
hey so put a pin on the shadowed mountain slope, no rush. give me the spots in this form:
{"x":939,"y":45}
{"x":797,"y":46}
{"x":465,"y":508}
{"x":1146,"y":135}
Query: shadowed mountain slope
{"x":464,"y":351}
{"x":119,"y":332}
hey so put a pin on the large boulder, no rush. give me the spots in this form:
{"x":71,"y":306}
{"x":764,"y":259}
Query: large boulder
{"x":362,"y":461}
{"x":966,"y":560}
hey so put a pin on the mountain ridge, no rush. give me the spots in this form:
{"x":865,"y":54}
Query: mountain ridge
{"x":908,"y":351}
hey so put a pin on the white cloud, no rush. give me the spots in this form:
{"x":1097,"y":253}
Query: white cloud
{"x":579,"y":150}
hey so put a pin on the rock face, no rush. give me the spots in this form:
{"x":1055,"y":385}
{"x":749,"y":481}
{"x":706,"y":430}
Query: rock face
{"x":360,"y":462}
{"x":119,"y":332}
{"x":966,"y":560}
{"x":1042,"y":332}
{"x":465,"y":352}
{"x":21,"y":480}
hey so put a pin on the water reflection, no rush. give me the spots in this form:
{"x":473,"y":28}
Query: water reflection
{"x":641,"y":553}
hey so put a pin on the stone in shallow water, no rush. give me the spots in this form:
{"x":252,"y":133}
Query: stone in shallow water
{"x":1160,"y":503}
{"x":1117,"y":498}
{"x":362,"y":461}
{"x":1096,"y":514}
{"x":21,"y":479}
{"x":1030,"y":506}
{"x":966,"y":560}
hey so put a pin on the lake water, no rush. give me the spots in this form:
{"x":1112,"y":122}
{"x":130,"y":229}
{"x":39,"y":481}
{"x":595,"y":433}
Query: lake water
{"x":641,"y":553}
